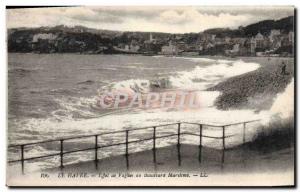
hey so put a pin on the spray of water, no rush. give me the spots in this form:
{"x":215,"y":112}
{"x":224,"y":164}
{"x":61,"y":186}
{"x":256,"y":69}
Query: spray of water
{"x":283,"y":106}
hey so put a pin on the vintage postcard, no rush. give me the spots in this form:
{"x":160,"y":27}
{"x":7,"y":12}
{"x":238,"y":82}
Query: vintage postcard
{"x":151,"y":96}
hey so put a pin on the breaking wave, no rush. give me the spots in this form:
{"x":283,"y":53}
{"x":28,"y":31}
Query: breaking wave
{"x":282,"y":107}
{"x":80,"y":115}
{"x":199,"y":78}
{"x":80,"y":110}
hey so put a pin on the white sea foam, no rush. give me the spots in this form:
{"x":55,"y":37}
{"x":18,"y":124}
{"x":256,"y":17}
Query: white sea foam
{"x":199,"y":78}
{"x":284,"y":102}
{"x":61,"y":124}
{"x":199,"y":60}
{"x":283,"y":106}
{"x":211,"y":75}
{"x":202,"y":77}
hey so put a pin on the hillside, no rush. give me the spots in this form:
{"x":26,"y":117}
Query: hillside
{"x":285,"y":24}
{"x":81,"y":39}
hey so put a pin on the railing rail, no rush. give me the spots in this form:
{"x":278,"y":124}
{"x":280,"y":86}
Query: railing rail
{"x":85,"y":136}
{"x":127,"y":141}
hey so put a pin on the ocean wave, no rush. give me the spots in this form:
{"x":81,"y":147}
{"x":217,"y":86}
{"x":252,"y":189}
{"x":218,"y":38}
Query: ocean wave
{"x":75,"y":108}
{"x":126,"y":67}
{"x":19,"y":70}
{"x":211,"y":75}
{"x":87,"y":82}
{"x":198,"y":60}
{"x":51,"y":128}
{"x":135,"y":85}
{"x":98,"y":68}
{"x":199,"y":78}
{"x":23,"y":70}
{"x":81,"y":116}
{"x":63,"y":91}
{"x":80,"y":108}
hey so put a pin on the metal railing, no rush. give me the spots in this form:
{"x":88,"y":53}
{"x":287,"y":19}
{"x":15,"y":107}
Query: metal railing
{"x":127,"y":142}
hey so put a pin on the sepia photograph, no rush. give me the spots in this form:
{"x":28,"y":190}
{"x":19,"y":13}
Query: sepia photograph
{"x":151,"y":96}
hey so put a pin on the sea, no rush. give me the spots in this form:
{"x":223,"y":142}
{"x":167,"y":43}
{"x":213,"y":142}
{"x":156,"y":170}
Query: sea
{"x":55,"y":96}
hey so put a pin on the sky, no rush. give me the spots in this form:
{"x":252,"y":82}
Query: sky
{"x":150,"y":19}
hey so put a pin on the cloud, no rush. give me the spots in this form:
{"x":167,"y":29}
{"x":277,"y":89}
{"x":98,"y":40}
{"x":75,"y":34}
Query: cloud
{"x":161,"y":19}
{"x":90,"y":15}
{"x":175,"y":17}
{"x":128,"y":12}
{"x":203,"y":20}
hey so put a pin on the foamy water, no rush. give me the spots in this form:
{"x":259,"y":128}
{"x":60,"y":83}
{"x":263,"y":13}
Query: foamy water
{"x":62,"y":121}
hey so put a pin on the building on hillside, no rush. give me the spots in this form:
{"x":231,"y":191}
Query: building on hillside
{"x":132,"y":48}
{"x":227,"y":40}
{"x":44,"y":42}
{"x":274,"y":34}
{"x":213,"y":37}
{"x":259,"y":38}
{"x":252,"y":46}
{"x":208,"y":45}
{"x":219,"y":41}
{"x":236,"y":48}
{"x":291,"y":37}
{"x":234,"y":51}
{"x":261,"y":42}
{"x":170,"y":49}
{"x":150,"y":37}
{"x":275,"y":43}
{"x":181,"y":45}
{"x":43,"y":36}
{"x":150,"y":40}
{"x":285,"y":40}
{"x":178,"y":37}
{"x":207,"y":37}
{"x":238,"y":40}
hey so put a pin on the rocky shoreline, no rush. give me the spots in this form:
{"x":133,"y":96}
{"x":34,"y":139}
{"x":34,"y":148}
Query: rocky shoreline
{"x":256,"y":89}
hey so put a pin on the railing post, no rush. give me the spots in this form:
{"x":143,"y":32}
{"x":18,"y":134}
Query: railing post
{"x":22,"y":158}
{"x":223,"y":151}
{"x":126,"y":153}
{"x":200,"y":143}
{"x":178,"y":134}
{"x":200,"y":139}
{"x":154,"y":138}
{"x":179,"y":155}
{"x":244,"y":133}
{"x":61,"y":153}
{"x":96,"y":148}
{"x":223,"y":137}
